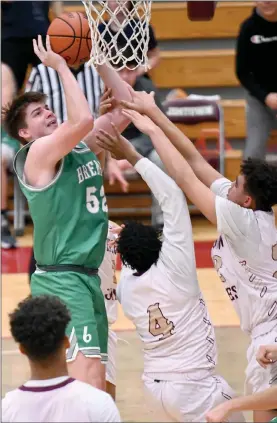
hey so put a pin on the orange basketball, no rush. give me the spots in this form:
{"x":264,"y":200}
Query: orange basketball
{"x":70,"y":37}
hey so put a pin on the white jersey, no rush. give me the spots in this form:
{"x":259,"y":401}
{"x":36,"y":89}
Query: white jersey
{"x":62,"y":399}
{"x":107,"y":274}
{"x":245,"y":257}
{"x":165,"y":303}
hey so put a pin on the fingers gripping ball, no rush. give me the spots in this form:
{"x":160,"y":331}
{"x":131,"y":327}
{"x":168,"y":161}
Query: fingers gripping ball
{"x":70,"y":37}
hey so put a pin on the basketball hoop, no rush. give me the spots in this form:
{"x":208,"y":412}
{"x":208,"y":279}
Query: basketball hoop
{"x":110,"y":42}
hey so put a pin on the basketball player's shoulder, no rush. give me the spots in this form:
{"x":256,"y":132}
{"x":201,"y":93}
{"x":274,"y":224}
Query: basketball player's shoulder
{"x":8,"y":402}
{"x":100,"y":404}
{"x":90,"y":392}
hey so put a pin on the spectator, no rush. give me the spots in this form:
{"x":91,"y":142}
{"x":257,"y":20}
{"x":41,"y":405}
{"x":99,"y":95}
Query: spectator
{"x":256,"y":69}
{"x":153,"y":49}
{"x":140,"y":141}
{"x":21,"y":22}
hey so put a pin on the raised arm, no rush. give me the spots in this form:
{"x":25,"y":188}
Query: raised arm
{"x":177,"y":232}
{"x":177,"y":167}
{"x":121,"y":92}
{"x":46,"y":152}
{"x":143,"y":104}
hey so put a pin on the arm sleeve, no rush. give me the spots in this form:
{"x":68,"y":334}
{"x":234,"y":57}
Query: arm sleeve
{"x":34,"y":82}
{"x":236,"y":222}
{"x":177,"y":254}
{"x":221,"y":187}
{"x":243,"y":62}
{"x":153,"y":43}
{"x":109,"y":411}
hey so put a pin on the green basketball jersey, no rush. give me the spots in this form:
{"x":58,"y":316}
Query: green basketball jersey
{"x":70,"y":214}
{"x":11,"y":142}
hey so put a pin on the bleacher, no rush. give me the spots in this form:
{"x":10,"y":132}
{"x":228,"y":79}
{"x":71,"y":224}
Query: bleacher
{"x":199,"y":58}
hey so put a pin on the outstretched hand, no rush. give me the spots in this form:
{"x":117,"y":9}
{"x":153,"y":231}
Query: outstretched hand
{"x":47,"y":55}
{"x":107,"y":102}
{"x":116,"y":144}
{"x":142,"y":102}
{"x":142,"y":122}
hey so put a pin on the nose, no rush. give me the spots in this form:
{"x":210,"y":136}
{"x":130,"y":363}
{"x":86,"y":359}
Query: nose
{"x":48,"y":113}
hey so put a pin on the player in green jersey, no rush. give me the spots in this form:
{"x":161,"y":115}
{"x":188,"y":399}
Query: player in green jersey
{"x":61,"y":178}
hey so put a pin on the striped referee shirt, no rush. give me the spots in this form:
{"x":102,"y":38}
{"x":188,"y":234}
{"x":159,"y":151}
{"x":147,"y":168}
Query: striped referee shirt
{"x":47,"y":81}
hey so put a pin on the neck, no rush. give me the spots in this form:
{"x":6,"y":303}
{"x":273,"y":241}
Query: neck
{"x":48,"y":369}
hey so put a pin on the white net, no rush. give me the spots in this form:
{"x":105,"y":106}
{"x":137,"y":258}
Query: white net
{"x":119,"y":32}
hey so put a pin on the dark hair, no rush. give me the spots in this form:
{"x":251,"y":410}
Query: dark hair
{"x":38,"y":324}
{"x":139,"y":246}
{"x":260,"y":182}
{"x":13,"y":115}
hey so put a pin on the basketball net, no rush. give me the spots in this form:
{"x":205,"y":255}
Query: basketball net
{"x":111,"y":45}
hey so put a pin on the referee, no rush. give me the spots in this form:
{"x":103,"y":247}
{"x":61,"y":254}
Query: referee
{"x":47,"y":81}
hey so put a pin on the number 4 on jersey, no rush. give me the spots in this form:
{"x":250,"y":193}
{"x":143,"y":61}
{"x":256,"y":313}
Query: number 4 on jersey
{"x":158,"y":324}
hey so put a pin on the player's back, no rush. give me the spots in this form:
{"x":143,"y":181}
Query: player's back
{"x":172,"y":321}
{"x":165,"y":303}
{"x":67,"y":401}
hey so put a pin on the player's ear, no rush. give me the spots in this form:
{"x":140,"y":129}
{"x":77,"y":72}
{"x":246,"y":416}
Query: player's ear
{"x":22,"y":349}
{"x":66,"y":342}
{"x":248,"y":202}
{"x":24,"y":133}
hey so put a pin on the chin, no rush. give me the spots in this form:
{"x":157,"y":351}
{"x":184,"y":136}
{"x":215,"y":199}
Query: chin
{"x":52,"y":129}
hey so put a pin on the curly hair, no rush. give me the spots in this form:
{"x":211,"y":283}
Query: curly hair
{"x":38,"y":324}
{"x":260,"y":182}
{"x":13,"y":115}
{"x":139,"y":246}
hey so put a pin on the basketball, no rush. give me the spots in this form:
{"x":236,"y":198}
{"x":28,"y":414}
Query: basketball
{"x":70,"y":37}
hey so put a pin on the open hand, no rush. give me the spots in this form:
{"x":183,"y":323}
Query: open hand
{"x":114,"y":173}
{"x":142,"y":102}
{"x":142,"y":122}
{"x":116,"y":144}
{"x":106,"y":102}
{"x":47,"y":56}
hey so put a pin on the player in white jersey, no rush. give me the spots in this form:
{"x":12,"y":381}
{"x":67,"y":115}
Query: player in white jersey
{"x":38,"y":324}
{"x":264,"y":400}
{"x":161,"y":296}
{"x":107,"y":274}
{"x":245,"y":255}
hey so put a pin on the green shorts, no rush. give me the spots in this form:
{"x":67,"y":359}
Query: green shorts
{"x":88,"y":328}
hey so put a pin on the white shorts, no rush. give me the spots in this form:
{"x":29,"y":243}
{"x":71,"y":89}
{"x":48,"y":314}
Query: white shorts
{"x":189,"y":400}
{"x":8,"y":153}
{"x":111,"y":365}
{"x":257,"y":378}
